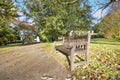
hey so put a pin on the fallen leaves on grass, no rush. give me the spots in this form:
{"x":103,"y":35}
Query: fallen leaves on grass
{"x":104,"y":62}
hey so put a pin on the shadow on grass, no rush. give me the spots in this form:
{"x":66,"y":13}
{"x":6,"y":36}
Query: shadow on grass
{"x":107,"y":43}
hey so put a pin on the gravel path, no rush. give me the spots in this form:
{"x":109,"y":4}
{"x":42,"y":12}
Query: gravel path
{"x":29,"y":63}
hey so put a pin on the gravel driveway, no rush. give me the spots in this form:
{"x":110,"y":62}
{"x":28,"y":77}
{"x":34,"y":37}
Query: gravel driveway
{"x":29,"y":63}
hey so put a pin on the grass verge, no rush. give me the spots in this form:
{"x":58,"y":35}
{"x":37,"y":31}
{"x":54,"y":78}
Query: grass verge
{"x":104,"y":60}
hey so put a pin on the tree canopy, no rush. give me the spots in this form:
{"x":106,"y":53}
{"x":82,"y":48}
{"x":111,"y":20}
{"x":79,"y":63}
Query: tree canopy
{"x":7,"y":12}
{"x":54,"y":18}
{"x":109,"y":25}
{"x":51,"y":18}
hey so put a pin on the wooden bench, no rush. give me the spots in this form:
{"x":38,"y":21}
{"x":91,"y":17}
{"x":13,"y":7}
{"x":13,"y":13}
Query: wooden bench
{"x":72,"y":46}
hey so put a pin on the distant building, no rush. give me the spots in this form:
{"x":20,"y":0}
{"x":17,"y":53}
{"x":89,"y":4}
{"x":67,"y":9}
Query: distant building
{"x":37,"y":39}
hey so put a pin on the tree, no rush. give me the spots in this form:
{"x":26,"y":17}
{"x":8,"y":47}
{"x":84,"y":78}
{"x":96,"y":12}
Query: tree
{"x":103,"y":4}
{"x":7,"y":11}
{"x":6,"y":35}
{"x":109,"y":3}
{"x":113,"y":27}
{"x":109,"y":25}
{"x":25,"y":31}
{"x":71,"y":15}
{"x":55,"y":18}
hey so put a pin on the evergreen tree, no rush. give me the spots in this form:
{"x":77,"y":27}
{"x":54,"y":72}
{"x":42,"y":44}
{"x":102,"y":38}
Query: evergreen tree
{"x":7,"y":12}
{"x":54,"y":18}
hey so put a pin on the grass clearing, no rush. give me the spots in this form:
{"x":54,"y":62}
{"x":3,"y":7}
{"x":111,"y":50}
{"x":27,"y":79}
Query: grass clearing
{"x":60,"y":58}
{"x":104,"y":60}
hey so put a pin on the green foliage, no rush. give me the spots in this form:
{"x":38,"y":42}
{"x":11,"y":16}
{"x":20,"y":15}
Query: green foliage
{"x":7,"y":12}
{"x":53,"y":28}
{"x":27,"y":36}
{"x":110,"y":26}
{"x":53,"y":18}
{"x":6,"y":35}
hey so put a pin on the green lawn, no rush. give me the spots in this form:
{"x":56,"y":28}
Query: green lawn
{"x":104,"y":61}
